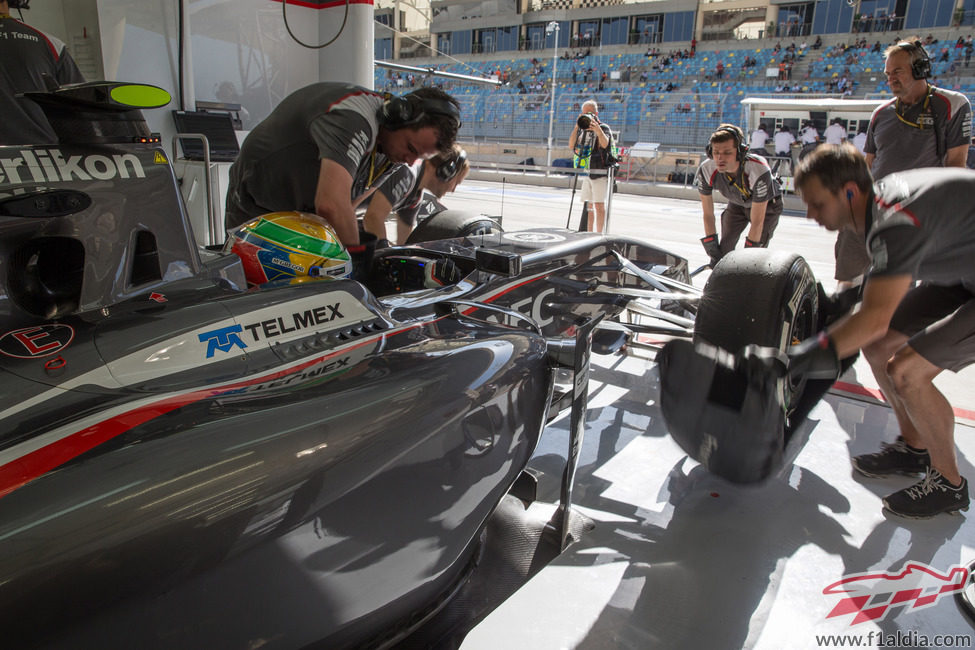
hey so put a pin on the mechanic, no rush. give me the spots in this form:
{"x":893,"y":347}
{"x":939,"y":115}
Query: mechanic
{"x":328,"y":145}
{"x":835,"y":133}
{"x":759,"y":138}
{"x":404,"y":192}
{"x":27,"y":56}
{"x":594,"y":149}
{"x":745,"y":179}
{"x":923,"y":126}
{"x":919,"y":225}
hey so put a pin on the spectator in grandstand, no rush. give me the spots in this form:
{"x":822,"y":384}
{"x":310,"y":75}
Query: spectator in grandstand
{"x":818,"y":42}
{"x":758,"y":139}
{"x":923,"y":126}
{"x":835,"y":133}
{"x":593,"y":149}
{"x":917,"y":315}
{"x":745,"y":180}
{"x":410,"y":190}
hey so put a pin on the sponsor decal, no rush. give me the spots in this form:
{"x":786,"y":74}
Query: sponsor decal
{"x":533,"y":237}
{"x":37,"y":341}
{"x":224,"y":339}
{"x":157,"y":297}
{"x":50,"y":166}
{"x":357,"y":147}
{"x":871,"y":596}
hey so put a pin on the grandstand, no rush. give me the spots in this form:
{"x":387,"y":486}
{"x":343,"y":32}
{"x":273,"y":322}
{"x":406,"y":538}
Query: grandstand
{"x":669,"y":81}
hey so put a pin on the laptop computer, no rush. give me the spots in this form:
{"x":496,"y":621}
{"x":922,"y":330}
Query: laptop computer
{"x":217,"y":127}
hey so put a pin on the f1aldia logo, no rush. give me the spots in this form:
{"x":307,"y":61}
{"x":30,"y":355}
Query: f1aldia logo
{"x":871,"y":596}
{"x":37,"y":341}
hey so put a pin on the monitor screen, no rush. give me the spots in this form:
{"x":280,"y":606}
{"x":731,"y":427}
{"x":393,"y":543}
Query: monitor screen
{"x":217,"y":127}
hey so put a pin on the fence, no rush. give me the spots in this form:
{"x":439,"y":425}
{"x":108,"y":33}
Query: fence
{"x":672,"y":119}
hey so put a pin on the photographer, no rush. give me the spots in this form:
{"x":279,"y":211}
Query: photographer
{"x":593,"y":149}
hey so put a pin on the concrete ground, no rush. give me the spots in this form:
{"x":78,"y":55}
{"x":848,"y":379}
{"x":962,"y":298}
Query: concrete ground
{"x":679,"y":558}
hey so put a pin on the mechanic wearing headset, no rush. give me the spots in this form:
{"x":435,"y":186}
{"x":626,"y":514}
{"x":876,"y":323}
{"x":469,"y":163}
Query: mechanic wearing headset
{"x":923,"y":126}
{"x":919,"y":225}
{"x":26,"y":56}
{"x":745,"y":179}
{"x":403,"y":192}
{"x":328,"y":145}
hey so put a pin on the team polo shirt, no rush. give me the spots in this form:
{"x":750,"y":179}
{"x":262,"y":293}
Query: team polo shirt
{"x":25,"y":55}
{"x":402,"y":190}
{"x":279,"y":162}
{"x":752,"y":183}
{"x":924,"y":225}
{"x":903,"y":137}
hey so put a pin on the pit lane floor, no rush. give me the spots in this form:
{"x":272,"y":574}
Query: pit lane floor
{"x":681,"y":559}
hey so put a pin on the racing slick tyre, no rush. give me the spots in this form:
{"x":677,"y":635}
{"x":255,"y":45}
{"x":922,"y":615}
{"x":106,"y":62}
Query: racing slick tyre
{"x":731,"y":413}
{"x":453,"y":223}
{"x":759,"y":296}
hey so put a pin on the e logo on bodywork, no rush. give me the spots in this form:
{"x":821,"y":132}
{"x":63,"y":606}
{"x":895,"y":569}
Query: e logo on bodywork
{"x":37,"y":341}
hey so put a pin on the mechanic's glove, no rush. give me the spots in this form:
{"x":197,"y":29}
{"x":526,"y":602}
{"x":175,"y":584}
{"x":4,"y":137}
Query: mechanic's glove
{"x":382,"y":243}
{"x":437,"y":273}
{"x":815,"y":358}
{"x":711,"y":247}
{"x":752,"y":244}
{"x":361,"y":256}
{"x":832,"y":306}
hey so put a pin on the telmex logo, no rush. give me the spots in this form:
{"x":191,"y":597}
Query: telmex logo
{"x":871,"y":596}
{"x":50,"y":166}
{"x":226,"y":339}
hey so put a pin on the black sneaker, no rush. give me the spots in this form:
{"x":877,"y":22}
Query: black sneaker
{"x":930,"y":497}
{"x":893,"y":458}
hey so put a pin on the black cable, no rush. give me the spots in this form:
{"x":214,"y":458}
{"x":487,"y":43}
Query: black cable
{"x":179,"y":56}
{"x":284,"y":15}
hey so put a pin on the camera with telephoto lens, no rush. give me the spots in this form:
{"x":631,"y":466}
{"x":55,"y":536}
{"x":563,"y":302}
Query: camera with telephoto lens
{"x":585,"y":120}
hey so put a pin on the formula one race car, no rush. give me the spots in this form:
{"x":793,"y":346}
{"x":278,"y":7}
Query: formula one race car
{"x":186,"y":461}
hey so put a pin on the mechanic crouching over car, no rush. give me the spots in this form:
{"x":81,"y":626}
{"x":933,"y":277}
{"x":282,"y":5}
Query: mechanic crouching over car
{"x":327,"y":146}
{"x":411,"y":192}
{"x":919,"y":226}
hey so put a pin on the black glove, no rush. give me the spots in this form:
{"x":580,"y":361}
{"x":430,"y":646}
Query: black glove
{"x":382,"y":243}
{"x":836,"y":305}
{"x":361,"y":256}
{"x":711,"y":247}
{"x":752,"y":244}
{"x":815,"y":358}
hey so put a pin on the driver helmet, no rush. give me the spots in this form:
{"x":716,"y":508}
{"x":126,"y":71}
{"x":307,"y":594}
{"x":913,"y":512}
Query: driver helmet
{"x":289,"y":246}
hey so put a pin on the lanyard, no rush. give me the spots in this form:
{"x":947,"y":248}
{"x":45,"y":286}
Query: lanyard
{"x":745,"y":192}
{"x":373,"y":175}
{"x":925,"y":119}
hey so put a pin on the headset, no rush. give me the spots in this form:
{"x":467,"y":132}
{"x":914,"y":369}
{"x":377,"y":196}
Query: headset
{"x":920,"y":64}
{"x":451,"y":166}
{"x":741,"y":146}
{"x":406,"y":110}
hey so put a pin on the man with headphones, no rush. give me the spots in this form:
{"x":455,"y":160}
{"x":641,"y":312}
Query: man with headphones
{"x":27,"y":55}
{"x":745,"y":179}
{"x":922,"y":126}
{"x":327,"y":146}
{"x":919,"y":226}
{"x":405,"y":190}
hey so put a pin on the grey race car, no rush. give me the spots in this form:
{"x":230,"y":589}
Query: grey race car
{"x":189,"y":462}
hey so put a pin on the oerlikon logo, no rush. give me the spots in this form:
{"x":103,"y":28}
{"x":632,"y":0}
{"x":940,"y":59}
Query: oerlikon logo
{"x":871,"y":596}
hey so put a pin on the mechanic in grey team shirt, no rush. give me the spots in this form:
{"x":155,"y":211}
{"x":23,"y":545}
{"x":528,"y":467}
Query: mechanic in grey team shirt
{"x":26,"y":55}
{"x":328,"y":145}
{"x":745,"y":179}
{"x":918,"y":225}
{"x":923,"y":126}
{"x":403,"y":192}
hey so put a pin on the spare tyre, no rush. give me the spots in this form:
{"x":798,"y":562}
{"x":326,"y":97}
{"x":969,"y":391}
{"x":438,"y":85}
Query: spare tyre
{"x":453,"y":223}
